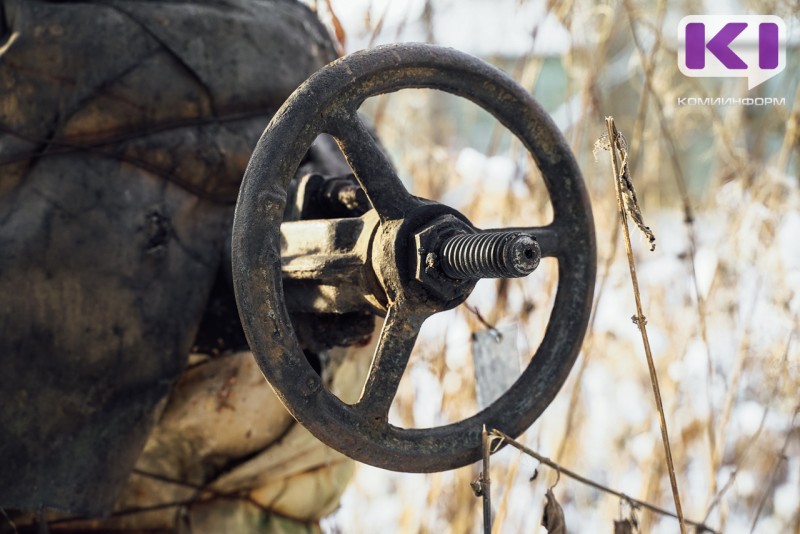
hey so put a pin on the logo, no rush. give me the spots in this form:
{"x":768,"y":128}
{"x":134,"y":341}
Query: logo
{"x":717,"y":46}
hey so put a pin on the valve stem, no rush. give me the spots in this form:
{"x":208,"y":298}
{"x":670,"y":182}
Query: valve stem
{"x":494,"y":254}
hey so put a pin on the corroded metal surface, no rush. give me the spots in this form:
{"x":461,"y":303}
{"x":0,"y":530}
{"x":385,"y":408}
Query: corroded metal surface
{"x":328,"y":102}
{"x":327,"y":266}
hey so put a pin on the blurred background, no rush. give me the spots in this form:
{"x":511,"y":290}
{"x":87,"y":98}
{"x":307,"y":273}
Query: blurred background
{"x":718,"y":185}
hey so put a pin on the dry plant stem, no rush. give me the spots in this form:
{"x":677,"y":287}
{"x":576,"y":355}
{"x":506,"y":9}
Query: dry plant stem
{"x":732,"y":478}
{"x":614,"y":146}
{"x":587,"y":346}
{"x":202,"y":492}
{"x":383,"y":100}
{"x":338,"y":30}
{"x":723,"y":420}
{"x":590,"y":83}
{"x":649,"y":66}
{"x":376,"y":30}
{"x":715,"y":453}
{"x":486,"y":483}
{"x":503,"y":507}
{"x":721,"y":131}
{"x":517,"y":72}
{"x":769,"y":490}
{"x":682,"y":188}
{"x":596,"y":485}
{"x":652,"y":491}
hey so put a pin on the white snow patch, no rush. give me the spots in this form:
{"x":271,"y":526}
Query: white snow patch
{"x":748,"y":415}
{"x":745,"y":483}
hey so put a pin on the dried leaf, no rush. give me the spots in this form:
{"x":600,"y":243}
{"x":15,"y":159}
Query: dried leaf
{"x":626,"y":184}
{"x":553,"y":516}
{"x":477,"y":486}
{"x":632,"y":204}
{"x":624,"y":526}
{"x":629,"y":193}
{"x":341,"y":36}
{"x":601,"y":143}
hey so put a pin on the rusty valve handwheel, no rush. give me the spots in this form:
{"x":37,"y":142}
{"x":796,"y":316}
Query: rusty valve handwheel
{"x":414,"y":281}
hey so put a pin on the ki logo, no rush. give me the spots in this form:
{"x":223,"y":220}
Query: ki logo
{"x":746,"y":46}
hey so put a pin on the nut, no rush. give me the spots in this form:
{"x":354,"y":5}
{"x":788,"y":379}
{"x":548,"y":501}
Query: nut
{"x":426,"y":267}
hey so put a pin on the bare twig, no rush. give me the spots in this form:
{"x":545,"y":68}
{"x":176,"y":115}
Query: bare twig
{"x":774,"y":474}
{"x":701,"y":527}
{"x":489,"y":326}
{"x":502,"y":508}
{"x":732,"y":478}
{"x":383,"y":100}
{"x":648,"y":68}
{"x":614,"y":139}
{"x":378,"y":27}
{"x":587,"y":346}
{"x":723,"y":420}
{"x":688,"y":213}
{"x":128,"y":511}
{"x":202,"y":492}
{"x":338,"y":29}
{"x":486,"y":482}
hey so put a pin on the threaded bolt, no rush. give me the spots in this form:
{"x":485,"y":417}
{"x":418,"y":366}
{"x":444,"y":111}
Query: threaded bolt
{"x":489,"y":255}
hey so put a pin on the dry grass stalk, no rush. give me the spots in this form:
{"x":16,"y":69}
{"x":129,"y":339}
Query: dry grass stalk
{"x":616,"y":148}
{"x":732,"y":477}
{"x":714,"y":447}
{"x":338,"y":29}
{"x":572,"y":406}
{"x":769,"y":490}
{"x":648,"y":67}
{"x":701,"y":527}
{"x":508,"y":484}
{"x":484,"y":484}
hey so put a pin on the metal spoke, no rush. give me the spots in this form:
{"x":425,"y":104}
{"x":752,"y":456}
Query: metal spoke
{"x":372,"y":167}
{"x":397,"y":339}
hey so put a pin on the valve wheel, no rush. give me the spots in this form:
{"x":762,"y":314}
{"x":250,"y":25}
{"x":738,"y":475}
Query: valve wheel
{"x":328,"y":102}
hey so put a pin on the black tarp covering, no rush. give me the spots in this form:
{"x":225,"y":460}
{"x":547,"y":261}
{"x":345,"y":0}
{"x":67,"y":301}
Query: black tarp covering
{"x":125,"y":128}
